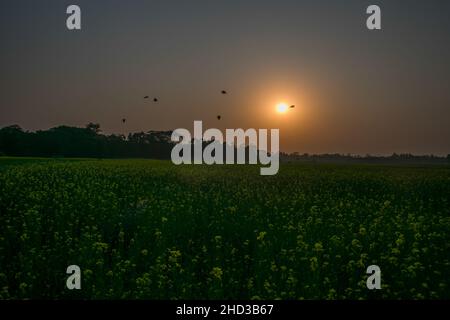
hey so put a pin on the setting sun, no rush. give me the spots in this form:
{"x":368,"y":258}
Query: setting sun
{"x":282,"y":107}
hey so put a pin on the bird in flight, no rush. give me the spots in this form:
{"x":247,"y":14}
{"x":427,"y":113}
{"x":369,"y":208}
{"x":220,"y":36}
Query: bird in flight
{"x":223,"y":92}
{"x":292,"y":107}
{"x":124,"y":120}
{"x":219,"y":117}
{"x":155,"y":99}
{"x":146,"y":97}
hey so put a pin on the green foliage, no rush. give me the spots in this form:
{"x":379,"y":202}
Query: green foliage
{"x":151,"y":230}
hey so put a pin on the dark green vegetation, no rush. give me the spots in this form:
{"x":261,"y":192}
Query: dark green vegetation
{"x":148,"y":229}
{"x":89,"y":142}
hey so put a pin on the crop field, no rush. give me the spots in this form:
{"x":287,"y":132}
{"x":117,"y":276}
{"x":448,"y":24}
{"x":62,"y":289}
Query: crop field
{"x":144,"y":229}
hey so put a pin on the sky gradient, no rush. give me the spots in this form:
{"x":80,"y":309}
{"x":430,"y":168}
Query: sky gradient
{"x":356,"y":91}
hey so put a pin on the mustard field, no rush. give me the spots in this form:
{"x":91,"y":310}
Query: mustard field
{"x":144,"y":229}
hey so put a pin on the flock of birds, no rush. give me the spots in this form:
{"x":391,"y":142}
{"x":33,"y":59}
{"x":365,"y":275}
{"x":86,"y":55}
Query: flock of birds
{"x":218,"y":116}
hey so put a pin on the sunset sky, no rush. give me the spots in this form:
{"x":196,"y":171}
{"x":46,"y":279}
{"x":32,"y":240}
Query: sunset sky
{"x":355,"y":91}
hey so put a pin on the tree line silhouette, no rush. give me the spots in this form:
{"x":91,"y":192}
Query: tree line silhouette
{"x":90,"y":142}
{"x":337,"y":157}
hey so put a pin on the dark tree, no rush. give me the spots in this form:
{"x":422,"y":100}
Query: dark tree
{"x":94,"y":127}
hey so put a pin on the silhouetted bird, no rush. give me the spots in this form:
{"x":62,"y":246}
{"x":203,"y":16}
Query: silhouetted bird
{"x":146,"y":97}
{"x":155,"y":99}
{"x":292,"y":107}
{"x":224,"y":92}
{"x":219,"y":117}
{"x":124,"y":120}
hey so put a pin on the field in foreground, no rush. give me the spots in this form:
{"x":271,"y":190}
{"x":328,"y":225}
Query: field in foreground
{"x":149,"y":229}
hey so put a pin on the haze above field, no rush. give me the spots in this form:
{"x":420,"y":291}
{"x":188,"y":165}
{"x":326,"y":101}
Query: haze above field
{"x":354,"y":90}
